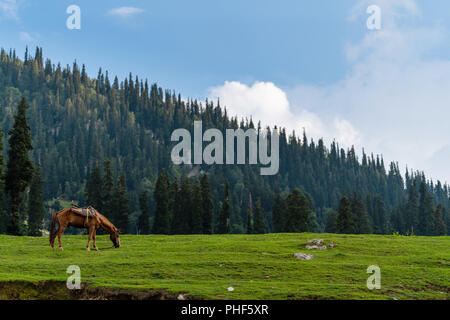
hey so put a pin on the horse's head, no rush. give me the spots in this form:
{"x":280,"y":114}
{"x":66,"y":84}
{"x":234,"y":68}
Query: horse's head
{"x":114,"y":236}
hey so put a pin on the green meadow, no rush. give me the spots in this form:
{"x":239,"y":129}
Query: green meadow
{"x":255,"y":266}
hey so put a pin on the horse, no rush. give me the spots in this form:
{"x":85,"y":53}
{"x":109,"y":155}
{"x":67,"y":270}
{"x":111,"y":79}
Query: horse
{"x":69,"y":217}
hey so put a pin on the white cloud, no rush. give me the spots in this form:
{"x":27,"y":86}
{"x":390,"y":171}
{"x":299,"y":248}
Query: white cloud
{"x":9,"y":9}
{"x":265,"y":102}
{"x":125,"y":12}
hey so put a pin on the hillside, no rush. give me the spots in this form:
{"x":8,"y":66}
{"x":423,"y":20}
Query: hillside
{"x":256,"y":266}
{"x":77,"y":122}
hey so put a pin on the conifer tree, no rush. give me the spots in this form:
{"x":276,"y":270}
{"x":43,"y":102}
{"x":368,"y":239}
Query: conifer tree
{"x":207,"y":206}
{"x":411,"y":213}
{"x":279,"y":214}
{"x":250,"y":215}
{"x":223,"y":226}
{"x":122,"y":204}
{"x":3,"y":220}
{"x":196,"y":223}
{"x":298,"y":212}
{"x":440,"y":228}
{"x":360,"y":213}
{"x":144,"y":225}
{"x":379,"y":215}
{"x":426,"y":209}
{"x":107,"y":189}
{"x":161,"y":195}
{"x":331,"y":226}
{"x":345,"y":220}
{"x":259,"y":226}
{"x":94,"y":195}
{"x":20,"y":168}
{"x":36,"y":209}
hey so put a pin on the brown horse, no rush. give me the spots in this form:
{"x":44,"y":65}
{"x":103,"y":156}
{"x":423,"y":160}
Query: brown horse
{"x":69,"y":218}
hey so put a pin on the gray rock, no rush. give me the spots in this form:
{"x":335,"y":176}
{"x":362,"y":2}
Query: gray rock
{"x":303,"y":256}
{"x":316,"y":247}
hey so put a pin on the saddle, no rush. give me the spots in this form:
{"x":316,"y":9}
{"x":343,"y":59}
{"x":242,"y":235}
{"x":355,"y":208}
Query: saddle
{"x":84,"y":212}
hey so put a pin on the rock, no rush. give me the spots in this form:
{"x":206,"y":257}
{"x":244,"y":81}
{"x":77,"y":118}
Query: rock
{"x":332,"y":245}
{"x":181,"y":297}
{"x":317,"y":242}
{"x":230,"y":289}
{"x":303,"y":256}
{"x":316,"y":247}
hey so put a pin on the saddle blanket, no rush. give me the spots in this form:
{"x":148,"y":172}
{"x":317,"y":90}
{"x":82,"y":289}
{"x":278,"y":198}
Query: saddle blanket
{"x":84,"y":212}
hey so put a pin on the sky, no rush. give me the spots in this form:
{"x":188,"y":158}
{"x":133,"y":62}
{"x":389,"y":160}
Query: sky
{"x":312,"y":65}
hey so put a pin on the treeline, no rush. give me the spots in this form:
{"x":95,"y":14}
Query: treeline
{"x":77,"y":122}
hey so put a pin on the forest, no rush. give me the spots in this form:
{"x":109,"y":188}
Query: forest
{"x":106,"y":142}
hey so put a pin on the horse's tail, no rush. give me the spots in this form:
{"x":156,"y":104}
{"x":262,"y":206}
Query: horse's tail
{"x":52,"y":228}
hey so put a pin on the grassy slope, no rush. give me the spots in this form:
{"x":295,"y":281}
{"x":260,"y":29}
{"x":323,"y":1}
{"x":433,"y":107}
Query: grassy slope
{"x":257,"y":266}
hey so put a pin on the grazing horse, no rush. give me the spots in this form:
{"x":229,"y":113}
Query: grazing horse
{"x":72,"y":218}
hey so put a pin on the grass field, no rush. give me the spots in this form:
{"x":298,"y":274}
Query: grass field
{"x":256,"y":266}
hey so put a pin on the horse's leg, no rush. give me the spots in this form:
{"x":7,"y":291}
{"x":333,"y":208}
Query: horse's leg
{"x":95,"y":243}
{"x":61,"y":229}
{"x":88,"y":246}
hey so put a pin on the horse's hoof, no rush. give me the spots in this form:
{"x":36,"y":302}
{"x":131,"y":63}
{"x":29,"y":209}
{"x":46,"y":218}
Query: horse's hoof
{"x":88,"y":249}
{"x":96,"y":249}
{"x":61,"y":249}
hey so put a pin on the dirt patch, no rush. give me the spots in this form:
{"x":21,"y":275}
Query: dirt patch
{"x":57,"y":290}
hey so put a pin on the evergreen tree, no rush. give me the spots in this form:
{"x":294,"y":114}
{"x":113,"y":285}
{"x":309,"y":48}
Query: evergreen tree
{"x":360,"y":214}
{"x":345,"y":220}
{"x":411,"y":212}
{"x":196,"y":225}
{"x":259,"y":227}
{"x":298,"y":212}
{"x":331,"y":226}
{"x":107,"y":190}
{"x":379,"y":215}
{"x":207,"y":207}
{"x":180,"y":220}
{"x":440,"y":229}
{"x":3,"y":218}
{"x":122,"y":204}
{"x":36,"y":209}
{"x":20,"y":168}
{"x":93,"y":191}
{"x":144,"y":225}
{"x":223,"y":226}
{"x":279,"y":214}
{"x":161,"y":195}
{"x":426,"y":218}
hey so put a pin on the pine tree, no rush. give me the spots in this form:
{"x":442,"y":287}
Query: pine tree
{"x":207,"y":206}
{"x":360,"y":214}
{"x":250,"y":215}
{"x":93,"y":191}
{"x":36,"y":209}
{"x":298,"y":212}
{"x":345,"y":220}
{"x":440,"y":229}
{"x":411,"y":213}
{"x":426,"y":218}
{"x":144,"y":225}
{"x":331,"y":226}
{"x":196,"y":225}
{"x":107,"y":190}
{"x":122,"y":204}
{"x":3,"y":218}
{"x":161,"y":195}
{"x":20,"y":168}
{"x":279,"y":214}
{"x":223,"y":226}
{"x":259,"y":227}
{"x":379,"y":215}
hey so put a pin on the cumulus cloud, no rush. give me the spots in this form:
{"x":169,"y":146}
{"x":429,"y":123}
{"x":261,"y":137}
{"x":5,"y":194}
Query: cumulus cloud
{"x":125,"y":12}
{"x":265,"y":102}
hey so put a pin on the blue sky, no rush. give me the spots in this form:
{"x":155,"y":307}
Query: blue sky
{"x":302,"y":64}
